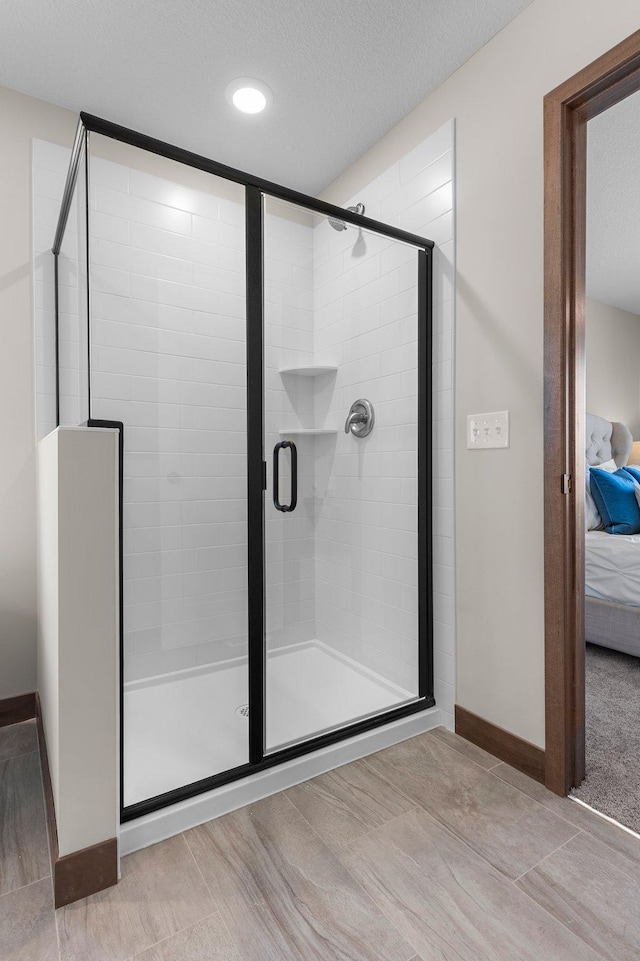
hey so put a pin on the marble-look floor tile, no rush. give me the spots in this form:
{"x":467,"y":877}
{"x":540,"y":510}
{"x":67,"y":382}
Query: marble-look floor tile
{"x":496,"y":820}
{"x":595,"y":891}
{"x":27,"y":924}
{"x":161,"y":891}
{"x":344,"y":804}
{"x":208,"y":940}
{"x":575,"y":813}
{"x":449,"y":903}
{"x":24,"y":851}
{"x":284,"y":895}
{"x":17,"y":739}
{"x":470,"y":750}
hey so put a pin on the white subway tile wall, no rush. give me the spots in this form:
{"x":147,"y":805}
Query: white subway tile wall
{"x":289,"y":335}
{"x":366,"y":534}
{"x":168,"y":359}
{"x":365,"y":322}
{"x":168,"y":349}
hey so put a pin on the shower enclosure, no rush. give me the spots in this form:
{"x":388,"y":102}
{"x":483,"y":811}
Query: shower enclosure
{"x":267,"y":360}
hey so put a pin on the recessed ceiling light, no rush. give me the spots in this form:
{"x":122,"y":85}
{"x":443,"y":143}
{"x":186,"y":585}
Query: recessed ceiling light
{"x":248,"y":95}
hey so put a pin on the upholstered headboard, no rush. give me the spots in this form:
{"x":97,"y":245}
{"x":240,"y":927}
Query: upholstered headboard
{"x":606,"y":439}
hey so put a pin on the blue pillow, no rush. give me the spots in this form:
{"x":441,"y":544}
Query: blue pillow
{"x":615,"y":497}
{"x":634,"y":471}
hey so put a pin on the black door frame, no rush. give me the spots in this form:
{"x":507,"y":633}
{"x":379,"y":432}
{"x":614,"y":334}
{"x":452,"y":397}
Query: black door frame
{"x":256,"y":190}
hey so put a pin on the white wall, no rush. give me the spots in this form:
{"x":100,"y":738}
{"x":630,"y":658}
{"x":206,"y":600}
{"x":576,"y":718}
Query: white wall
{"x":78,"y":630}
{"x":496,"y":99}
{"x":613,"y":364}
{"x":21,"y":118}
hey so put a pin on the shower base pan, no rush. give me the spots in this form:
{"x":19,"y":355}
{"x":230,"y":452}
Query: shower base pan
{"x":188,"y":725}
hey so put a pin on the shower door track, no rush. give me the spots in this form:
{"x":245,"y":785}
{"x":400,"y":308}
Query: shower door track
{"x":255,"y":191}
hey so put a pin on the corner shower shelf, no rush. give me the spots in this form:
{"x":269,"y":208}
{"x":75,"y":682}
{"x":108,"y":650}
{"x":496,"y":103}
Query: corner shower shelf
{"x":309,"y":370}
{"x":307,"y":430}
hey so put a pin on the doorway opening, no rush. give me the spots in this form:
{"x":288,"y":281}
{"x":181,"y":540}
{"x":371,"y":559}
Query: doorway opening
{"x":568,"y":109}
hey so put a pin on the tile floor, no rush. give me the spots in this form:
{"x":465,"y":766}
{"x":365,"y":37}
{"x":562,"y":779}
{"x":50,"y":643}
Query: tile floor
{"x":428,"y":850}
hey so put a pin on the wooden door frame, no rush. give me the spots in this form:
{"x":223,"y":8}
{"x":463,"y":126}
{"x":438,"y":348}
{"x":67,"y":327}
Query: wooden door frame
{"x":567,"y":109}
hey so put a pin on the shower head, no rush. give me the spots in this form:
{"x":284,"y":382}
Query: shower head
{"x":340,"y":224}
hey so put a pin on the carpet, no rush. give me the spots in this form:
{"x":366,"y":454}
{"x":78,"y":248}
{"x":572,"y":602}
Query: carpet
{"x":612,"y":784}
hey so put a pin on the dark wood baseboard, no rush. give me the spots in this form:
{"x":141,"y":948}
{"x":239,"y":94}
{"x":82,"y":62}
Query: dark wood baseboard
{"x":510,"y":748}
{"x":50,"y":810}
{"x":16,"y":709}
{"x":83,"y":872}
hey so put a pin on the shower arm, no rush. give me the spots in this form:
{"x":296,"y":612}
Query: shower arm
{"x":340,"y":225}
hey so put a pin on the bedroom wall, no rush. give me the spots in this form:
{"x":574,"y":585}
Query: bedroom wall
{"x":613,"y":364}
{"x":496,"y":99}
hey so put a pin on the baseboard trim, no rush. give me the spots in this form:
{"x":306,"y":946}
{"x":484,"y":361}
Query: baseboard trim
{"x":52,"y":830}
{"x":510,"y":748}
{"x":83,"y":872}
{"x":13,"y":710}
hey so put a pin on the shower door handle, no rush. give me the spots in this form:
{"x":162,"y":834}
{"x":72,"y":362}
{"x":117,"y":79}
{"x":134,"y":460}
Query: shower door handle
{"x":291,"y":506}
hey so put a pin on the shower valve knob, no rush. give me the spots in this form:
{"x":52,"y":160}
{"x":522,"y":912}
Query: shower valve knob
{"x":360,"y":419}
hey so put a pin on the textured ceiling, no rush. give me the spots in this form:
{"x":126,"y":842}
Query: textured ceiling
{"x":613,"y":206}
{"x":343,"y":72}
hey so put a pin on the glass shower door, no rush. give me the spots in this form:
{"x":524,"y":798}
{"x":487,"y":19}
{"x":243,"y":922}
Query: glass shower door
{"x":341,"y":330}
{"x":168,"y":348}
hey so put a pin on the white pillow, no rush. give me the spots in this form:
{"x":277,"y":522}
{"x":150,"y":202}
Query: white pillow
{"x":592,"y":519}
{"x":609,"y":465}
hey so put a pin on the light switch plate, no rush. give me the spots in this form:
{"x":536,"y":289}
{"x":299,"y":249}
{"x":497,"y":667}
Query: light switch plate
{"x":488,"y":430}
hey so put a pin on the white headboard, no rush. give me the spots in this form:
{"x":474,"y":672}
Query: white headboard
{"x":606,"y":439}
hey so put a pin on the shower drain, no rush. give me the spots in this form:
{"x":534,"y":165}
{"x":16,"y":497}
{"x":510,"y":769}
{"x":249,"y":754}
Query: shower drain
{"x":243,"y":710}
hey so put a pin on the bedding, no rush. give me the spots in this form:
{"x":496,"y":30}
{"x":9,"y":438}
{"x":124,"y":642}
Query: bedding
{"x":612,"y":561}
{"x":612,"y":567}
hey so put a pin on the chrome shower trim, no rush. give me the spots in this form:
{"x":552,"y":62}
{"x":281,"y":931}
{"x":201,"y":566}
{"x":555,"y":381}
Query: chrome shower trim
{"x":361,"y":418}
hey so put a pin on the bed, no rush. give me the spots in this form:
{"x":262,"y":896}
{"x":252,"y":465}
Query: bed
{"x":612,"y":561}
